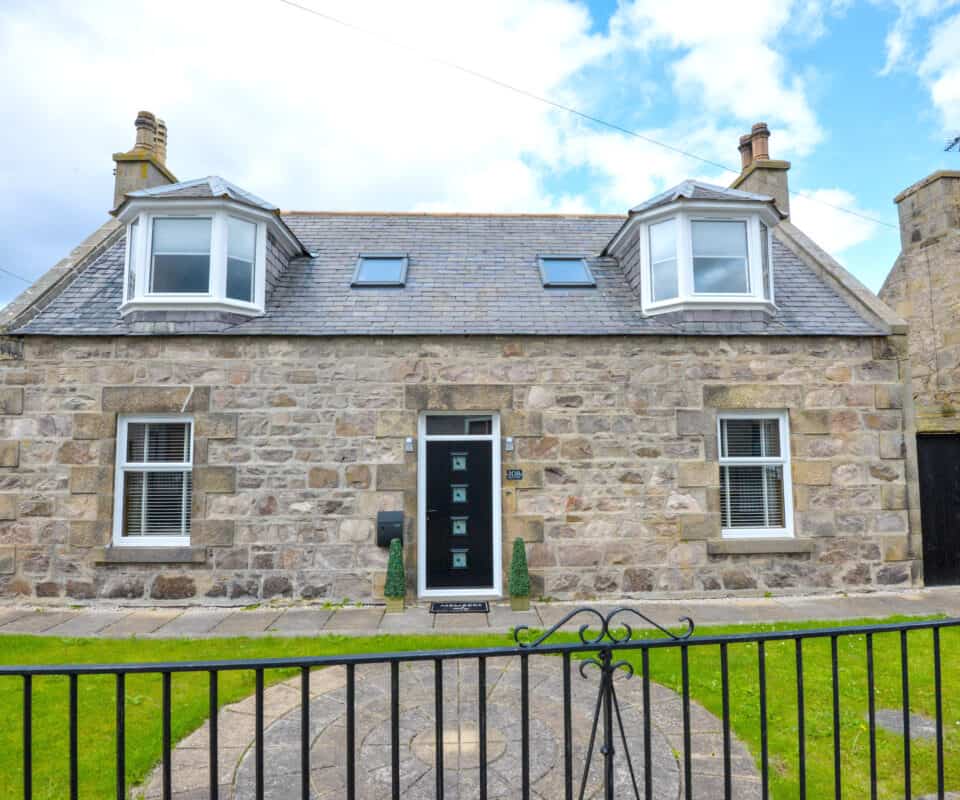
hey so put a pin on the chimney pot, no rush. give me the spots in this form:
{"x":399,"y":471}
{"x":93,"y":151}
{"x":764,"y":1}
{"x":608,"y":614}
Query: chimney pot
{"x":746,"y":151}
{"x":146,"y":125}
{"x":160,"y":141}
{"x":760,"y":138}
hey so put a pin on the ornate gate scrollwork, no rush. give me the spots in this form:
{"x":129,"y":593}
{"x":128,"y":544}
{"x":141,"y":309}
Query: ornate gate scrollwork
{"x":610,"y":632}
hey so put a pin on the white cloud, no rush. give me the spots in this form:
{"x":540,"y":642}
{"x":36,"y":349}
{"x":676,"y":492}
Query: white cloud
{"x":909,"y":14}
{"x":937,"y":61}
{"x":834,"y":230}
{"x":732,"y":62}
{"x":941,"y":69}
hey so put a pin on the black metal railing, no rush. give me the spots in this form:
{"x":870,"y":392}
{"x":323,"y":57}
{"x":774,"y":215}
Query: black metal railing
{"x":604,"y":641}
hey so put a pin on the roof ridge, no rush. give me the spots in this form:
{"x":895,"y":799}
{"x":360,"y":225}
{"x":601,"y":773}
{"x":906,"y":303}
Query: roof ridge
{"x":516,"y":214}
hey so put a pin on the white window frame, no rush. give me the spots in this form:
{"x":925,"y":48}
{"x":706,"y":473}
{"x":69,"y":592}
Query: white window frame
{"x":494,"y":438}
{"x":122,"y":466}
{"x":783,"y":461}
{"x":684,"y":214}
{"x":149,"y":266}
{"x":214,"y":299}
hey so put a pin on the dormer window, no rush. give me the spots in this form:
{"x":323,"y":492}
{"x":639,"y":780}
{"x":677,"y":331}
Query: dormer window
{"x":202,"y":245}
{"x":699,"y":247}
{"x":565,"y":271}
{"x":215,"y":260}
{"x":700,"y":259}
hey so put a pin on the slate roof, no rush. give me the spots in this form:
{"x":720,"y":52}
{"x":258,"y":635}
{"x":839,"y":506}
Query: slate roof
{"x":206,"y":188}
{"x":698,"y":190}
{"x":468,"y":274}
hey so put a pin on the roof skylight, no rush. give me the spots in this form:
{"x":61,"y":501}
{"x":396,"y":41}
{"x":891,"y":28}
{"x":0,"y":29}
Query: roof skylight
{"x":380,"y":270}
{"x":558,"y":271}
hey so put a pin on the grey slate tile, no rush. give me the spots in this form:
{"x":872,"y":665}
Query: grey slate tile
{"x":469,"y":274}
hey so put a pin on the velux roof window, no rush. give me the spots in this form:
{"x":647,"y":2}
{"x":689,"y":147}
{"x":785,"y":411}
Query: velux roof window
{"x":558,"y":271}
{"x":380,"y":270}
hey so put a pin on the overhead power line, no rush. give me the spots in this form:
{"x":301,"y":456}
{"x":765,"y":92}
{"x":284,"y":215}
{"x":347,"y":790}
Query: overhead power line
{"x":559,"y":106}
{"x":14,"y":275}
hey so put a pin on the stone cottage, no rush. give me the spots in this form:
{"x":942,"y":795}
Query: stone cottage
{"x":924,"y":288}
{"x":211,"y":400}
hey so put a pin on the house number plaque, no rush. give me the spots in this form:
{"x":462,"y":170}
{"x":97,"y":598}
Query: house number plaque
{"x":514,"y":474}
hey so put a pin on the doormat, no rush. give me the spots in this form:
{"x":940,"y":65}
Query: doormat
{"x":460,"y":608}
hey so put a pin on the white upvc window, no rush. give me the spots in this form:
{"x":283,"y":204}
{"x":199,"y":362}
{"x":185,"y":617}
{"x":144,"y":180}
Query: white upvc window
{"x":756,"y":494}
{"x":213,"y":258}
{"x":704,"y":258}
{"x":153,"y":491}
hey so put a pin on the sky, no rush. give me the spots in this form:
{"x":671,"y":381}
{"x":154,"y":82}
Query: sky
{"x":310,"y":114}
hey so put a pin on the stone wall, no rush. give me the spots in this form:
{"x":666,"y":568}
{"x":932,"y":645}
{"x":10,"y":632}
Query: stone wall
{"x":299,"y":442}
{"x":924,"y":288}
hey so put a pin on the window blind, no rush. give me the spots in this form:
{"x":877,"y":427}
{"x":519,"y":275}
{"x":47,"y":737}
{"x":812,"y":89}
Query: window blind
{"x":751,"y":493}
{"x":157,"y":479}
{"x":752,"y":496}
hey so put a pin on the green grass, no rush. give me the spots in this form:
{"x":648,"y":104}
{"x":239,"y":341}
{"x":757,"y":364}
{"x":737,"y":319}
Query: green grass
{"x":50,"y":703}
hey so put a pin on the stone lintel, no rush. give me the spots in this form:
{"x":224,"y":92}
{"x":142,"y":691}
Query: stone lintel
{"x":459,"y":397}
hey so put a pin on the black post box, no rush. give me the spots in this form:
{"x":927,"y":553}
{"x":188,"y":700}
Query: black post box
{"x":389,"y":527}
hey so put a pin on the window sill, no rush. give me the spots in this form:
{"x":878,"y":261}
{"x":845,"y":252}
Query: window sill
{"x":150,"y":555}
{"x":711,"y":304}
{"x":758,"y":546}
{"x":205,"y":304}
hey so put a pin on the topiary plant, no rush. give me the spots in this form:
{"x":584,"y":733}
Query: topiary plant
{"x":396,"y":585}
{"x":519,"y":582}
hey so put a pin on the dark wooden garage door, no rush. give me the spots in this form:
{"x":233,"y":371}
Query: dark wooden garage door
{"x":939,"y":457}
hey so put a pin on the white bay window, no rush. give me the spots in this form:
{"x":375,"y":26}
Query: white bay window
{"x":154,"y":481}
{"x":195,"y":256}
{"x":755,"y":485}
{"x":702,"y":258}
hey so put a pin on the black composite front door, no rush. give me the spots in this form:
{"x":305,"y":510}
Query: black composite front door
{"x":939,"y":457}
{"x":459,"y":515}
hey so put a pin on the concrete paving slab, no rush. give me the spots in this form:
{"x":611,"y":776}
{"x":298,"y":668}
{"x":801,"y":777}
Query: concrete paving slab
{"x":89,"y":623}
{"x":140,"y":623}
{"x":355,"y":620}
{"x":300,"y":622}
{"x":8,"y":615}
{"x":834,"y":608}
{"x":416,"y":619}
{"x":915,"y":603}
{"x":503,"y":618}
{"x":460,"y":623}
{"x":246,"y":623}
{"x":194,"y":622}
{"x":38,"y":621}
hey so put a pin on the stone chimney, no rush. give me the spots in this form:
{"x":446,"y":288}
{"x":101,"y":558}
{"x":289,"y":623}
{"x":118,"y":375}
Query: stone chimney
{"x":924,"y":288}
{"x":144,"y":166}
{"x":758,"y":172}
{"x":929,"y":209}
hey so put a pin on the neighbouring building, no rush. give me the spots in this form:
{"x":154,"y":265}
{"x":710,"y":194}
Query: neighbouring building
{"x":211,"y":400}
{"x":924,"y":288}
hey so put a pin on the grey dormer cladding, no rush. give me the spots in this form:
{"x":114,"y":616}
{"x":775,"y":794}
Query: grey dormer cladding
{"x":468,"y":274}
{"x":698,"y":190}
{"x":210,"y":187}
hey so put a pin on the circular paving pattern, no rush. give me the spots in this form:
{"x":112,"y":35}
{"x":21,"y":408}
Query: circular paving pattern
{"x":460,"y":739}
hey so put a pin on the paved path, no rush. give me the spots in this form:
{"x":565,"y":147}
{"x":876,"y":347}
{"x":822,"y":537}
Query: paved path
{"x":460,"y":738}
{"x":296,"y":620}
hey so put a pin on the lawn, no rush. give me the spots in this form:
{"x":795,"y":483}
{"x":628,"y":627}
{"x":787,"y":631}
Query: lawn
{"x":96,"y":694}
